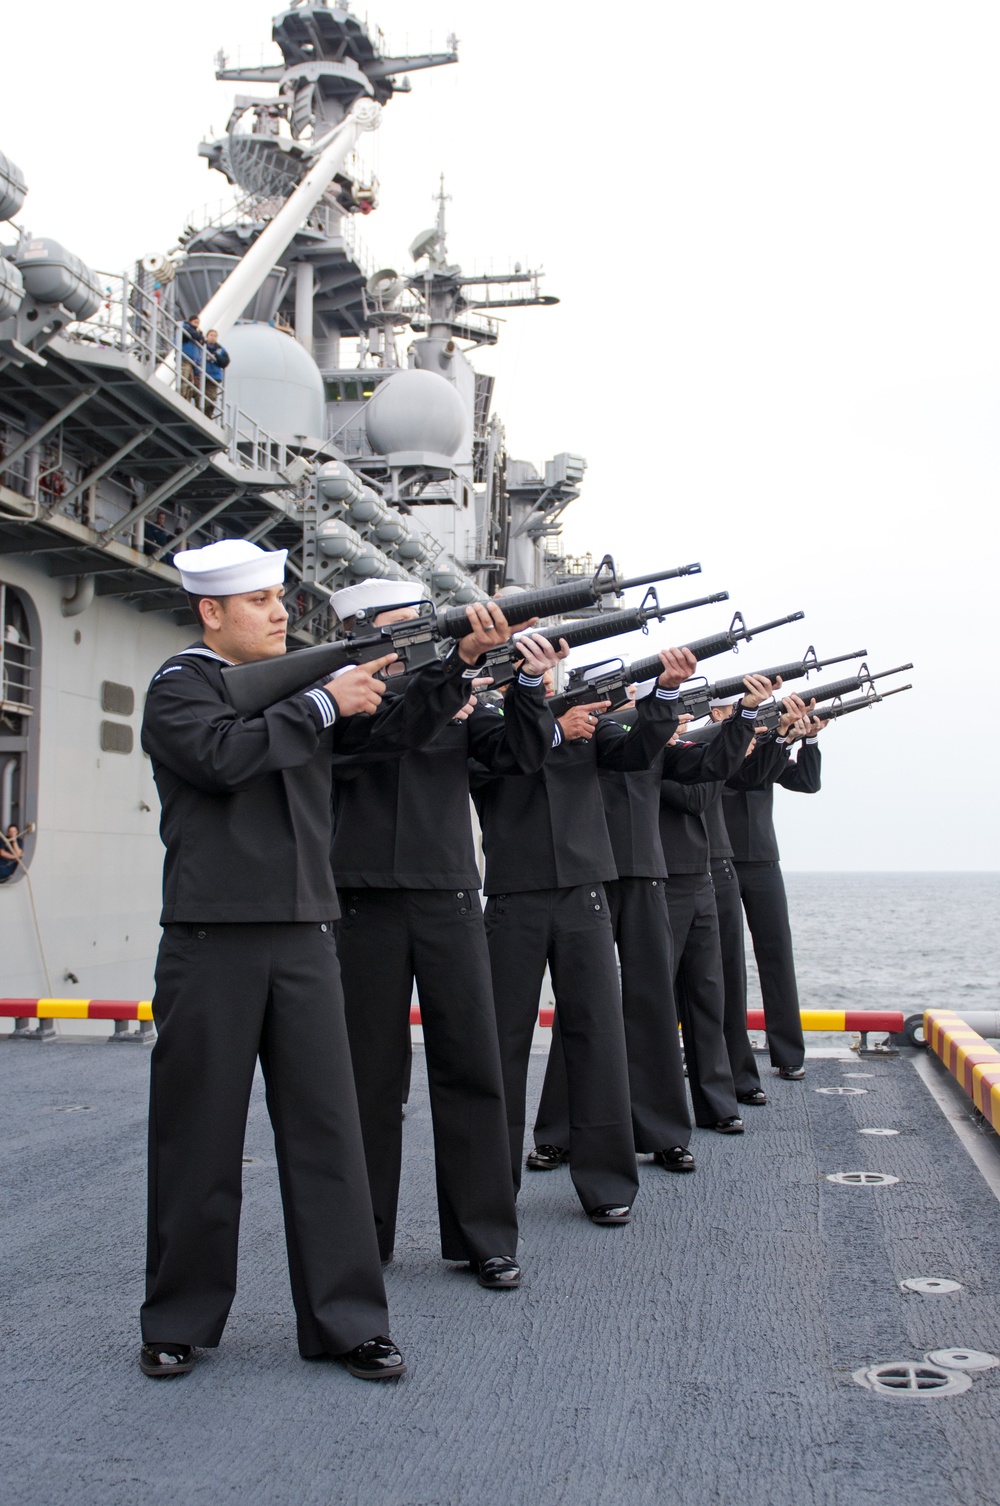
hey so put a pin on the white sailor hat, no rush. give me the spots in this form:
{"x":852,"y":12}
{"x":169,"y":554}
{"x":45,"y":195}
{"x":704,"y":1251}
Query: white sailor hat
{"x":727,"y":700}
{"x":230,"y":567}
{"x":376,"y":596}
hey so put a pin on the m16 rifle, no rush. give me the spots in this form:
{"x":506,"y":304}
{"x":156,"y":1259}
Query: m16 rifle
{"x":499,"y":663}
{"x":252,"y":687}
{"x":697,"y":699}
{"x":610,"y":682}
{"x":770,"y":715}
{"x":828,"y":713}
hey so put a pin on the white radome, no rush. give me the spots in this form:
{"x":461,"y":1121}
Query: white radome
{"x":416,"y":413}
{"x":275,"y":381}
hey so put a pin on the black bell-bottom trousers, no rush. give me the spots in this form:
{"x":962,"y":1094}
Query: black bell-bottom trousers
{"x":660,"y":1116}
{"x":700,"y":994}
{"x":226,"y":995}
{"x":387,"y":938}
{"x":729,"y":908}
{"x":570,"y":930}
{"x":762,"y":890}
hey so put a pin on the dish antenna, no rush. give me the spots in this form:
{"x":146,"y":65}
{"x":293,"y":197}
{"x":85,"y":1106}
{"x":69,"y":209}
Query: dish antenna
{"x":385,"y":286}
{"x":425,"y":243}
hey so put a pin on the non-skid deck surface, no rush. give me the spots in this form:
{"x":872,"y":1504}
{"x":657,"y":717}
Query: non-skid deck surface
{"x":701,"y":1357}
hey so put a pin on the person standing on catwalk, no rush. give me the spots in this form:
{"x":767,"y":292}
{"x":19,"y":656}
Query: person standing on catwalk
{"x":749,"y":817}
{"x":247,"y":969}
{"x":548,"y":856}
{"x":661,"y":1123}
{"x":405,"y":864}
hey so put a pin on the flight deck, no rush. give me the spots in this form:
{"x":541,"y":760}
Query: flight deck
{"x":726,"y":1347}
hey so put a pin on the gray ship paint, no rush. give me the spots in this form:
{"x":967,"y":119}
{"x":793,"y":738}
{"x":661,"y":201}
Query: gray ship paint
{"x":350,"y":427}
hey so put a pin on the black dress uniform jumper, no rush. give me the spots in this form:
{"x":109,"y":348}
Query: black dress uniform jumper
{"x":729,"y":911}
{"x":641,"y":925}
{"x":548,"y":856}
{"x":697,"y":955}
{"x":247,"y":968}
{"x":750,"y":823}
{"x":405,"y":863}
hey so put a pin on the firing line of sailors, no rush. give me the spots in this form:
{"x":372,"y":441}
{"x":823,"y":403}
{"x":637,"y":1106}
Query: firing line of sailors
{"x":320,"y":861}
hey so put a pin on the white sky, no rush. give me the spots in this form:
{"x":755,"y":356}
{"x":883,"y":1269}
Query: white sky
{"x":774,"y":230}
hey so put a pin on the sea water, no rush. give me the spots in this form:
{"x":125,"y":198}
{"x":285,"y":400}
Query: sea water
{"x":908,"y":941}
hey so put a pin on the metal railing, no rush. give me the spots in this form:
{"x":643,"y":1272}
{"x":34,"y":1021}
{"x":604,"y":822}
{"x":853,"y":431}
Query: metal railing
{"x":252,"y":446}
{"x":132,"y":319}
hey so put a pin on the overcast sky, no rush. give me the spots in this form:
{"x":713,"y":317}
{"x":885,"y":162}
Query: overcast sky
{"x":774,"y":229}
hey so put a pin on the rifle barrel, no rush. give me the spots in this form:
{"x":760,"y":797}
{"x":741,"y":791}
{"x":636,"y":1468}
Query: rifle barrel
{"x":651,"y":580}
{"x":688,"y":606}
{"x":899,"y":670}
{"x":553,"y":601}
{"x":830,"y":712}
{"x":766,"y":627}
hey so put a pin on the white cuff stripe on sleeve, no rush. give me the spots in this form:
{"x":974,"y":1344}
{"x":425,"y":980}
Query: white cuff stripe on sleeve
{"x":533,"y":681}
{"x":667,"y":695}
{"x":812,"y":740}
{"x":751,"y":714}
{"x":326,"y":707}
{"x":557,"y":736}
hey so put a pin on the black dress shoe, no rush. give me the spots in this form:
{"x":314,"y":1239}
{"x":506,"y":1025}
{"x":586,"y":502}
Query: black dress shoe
{"x":161,"y":1360}
{"x":499,"y":1273}
{"x":676,"y":1158}
{"x":611,"y":1213}
{"x":546,"y":1157}
{"x":376,"y":1359}
{"x":792,"y":1074}
{"x":733,"y":1126}
{"x":757,"y":1098}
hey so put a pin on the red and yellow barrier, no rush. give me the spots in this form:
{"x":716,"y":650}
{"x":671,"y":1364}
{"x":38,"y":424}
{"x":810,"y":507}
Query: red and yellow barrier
{"x":76,"y":1009}
{"x":864,"y":1020}
{"x":974,"y":1065}
{"x":870,"y":1020}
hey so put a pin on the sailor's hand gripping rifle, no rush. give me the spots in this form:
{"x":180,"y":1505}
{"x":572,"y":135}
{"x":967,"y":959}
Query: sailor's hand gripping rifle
{"x":252,"y":687}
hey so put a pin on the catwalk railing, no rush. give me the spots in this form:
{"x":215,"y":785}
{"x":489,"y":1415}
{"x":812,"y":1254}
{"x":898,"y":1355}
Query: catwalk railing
{"x":132,"y":320}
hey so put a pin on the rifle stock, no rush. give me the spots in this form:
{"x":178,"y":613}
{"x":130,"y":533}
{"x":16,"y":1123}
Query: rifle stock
{"x":251,"y":688}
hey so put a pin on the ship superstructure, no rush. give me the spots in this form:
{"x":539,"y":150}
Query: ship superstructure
{"x":351,"y":429}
